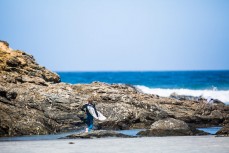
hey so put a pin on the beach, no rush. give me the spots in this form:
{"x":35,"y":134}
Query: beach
{"x":178,"y":144}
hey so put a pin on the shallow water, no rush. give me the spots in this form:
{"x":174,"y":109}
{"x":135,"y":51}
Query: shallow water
{"x":133,"y":132}
{"x":39,"y":137}
{"x":211,"y":130}
{"x":130,"y":132}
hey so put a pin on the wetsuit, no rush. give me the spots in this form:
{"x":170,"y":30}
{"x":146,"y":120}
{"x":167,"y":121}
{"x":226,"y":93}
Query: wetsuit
{"x":89,"y":120}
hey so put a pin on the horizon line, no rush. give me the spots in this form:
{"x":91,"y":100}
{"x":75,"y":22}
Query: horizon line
{"x":135,"y":70}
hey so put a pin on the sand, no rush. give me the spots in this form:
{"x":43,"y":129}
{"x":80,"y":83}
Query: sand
{"x":189,"y":144}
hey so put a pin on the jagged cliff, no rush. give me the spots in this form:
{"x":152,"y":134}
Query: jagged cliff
{"x":17,"y":66}
{"x":34,"y":101}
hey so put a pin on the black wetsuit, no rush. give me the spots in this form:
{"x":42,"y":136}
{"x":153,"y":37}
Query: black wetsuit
{"x":89,"y":121}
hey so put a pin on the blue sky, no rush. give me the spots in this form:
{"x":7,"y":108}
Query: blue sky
{"x":119,"y":35}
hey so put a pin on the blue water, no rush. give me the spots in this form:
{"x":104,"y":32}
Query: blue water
{"x":39,"y":137}
{"x":211,"y":130}
{"x":208,"y":84}
{"x":164,"y":79}
{"x":133,"y":132}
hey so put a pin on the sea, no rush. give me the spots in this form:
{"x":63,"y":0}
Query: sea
{"x":208,"y":84}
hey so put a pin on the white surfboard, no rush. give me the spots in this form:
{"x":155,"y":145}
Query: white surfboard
{"x":100,"y":116}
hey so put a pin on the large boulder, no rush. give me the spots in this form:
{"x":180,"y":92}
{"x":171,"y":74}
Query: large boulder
{"x":170,"y":127}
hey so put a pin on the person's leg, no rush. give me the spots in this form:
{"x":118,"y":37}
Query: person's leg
{"x":90,"y":127}
{"x":88,"y":123}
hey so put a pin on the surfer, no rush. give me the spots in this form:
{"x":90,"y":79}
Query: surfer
{"x":89,"y":119}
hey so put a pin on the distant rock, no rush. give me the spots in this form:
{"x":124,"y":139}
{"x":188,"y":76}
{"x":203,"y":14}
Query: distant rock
{"x":186,"y":97}
{"x":195,"y":98}
{"x":97,"y":134}
{"x":170,"y":127}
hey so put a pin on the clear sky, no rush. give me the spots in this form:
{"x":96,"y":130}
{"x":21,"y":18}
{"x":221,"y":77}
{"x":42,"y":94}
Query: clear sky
{"x":119,"y":35}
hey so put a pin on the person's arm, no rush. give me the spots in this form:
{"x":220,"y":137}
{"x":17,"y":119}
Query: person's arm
{"x":84,"y":108}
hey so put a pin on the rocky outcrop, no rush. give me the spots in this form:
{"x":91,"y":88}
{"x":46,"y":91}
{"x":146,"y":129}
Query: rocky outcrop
{"x":17,"y":66}
{"x":32,"y":101}
{"x":170,"y":127}
{"x":224,"y":131}
{"x":197,"y":99}
{"x":97,"y":134}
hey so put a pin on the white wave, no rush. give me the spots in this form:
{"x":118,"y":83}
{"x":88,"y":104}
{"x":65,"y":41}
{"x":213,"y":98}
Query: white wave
{"x":222,"y":95}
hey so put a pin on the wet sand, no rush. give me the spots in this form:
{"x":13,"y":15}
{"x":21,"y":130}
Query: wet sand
{"x":189,"y":144}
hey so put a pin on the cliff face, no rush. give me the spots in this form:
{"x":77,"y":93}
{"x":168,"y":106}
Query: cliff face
{"x":32,"y":101}
{"x":17,"y":66}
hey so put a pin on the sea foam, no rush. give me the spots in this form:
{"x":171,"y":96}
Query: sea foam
{"x":222,"y":95}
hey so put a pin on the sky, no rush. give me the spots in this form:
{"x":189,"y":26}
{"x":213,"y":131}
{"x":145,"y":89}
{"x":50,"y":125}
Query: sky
{"x":119,"y":35}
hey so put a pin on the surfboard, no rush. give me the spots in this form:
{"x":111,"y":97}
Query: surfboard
{"x":100,"y":116}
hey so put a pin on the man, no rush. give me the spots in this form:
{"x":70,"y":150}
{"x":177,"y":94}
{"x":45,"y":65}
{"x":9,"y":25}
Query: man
{"x":89,"y":119}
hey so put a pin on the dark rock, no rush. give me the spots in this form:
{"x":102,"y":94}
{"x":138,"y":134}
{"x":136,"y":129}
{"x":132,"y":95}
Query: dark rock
{"x":98,"y":134}
{"x":13,"y":62}
{"x":216,"y":101}
{"x":11,"y":95}
{"x":224,"y":131}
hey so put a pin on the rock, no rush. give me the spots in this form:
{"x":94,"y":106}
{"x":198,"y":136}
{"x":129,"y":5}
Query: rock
{"x":186,"y":97}
{"x":195,"y":98}
{"x":170,"y":124}
{"x":4,"y":45}
{"x":97,"y":134}
{"x":224,"y":131}
{"x":34,"y":101}
{"x":15,"y":63}
{"x":216,"y":101}
{"x":170,"y":127}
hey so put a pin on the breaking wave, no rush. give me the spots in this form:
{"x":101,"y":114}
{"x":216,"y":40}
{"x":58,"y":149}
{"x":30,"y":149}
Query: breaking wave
{"x":222,"y":95}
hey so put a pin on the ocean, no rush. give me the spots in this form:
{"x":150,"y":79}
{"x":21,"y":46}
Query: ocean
{"x":213,"y":84}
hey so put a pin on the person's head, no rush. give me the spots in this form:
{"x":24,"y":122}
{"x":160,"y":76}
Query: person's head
{"x":90,"y":100}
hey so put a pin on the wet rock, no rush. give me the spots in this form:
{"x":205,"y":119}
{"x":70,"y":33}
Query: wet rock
{"x":98,"y":134}
{"x":224,"y":131}
{"x":170,"y":127}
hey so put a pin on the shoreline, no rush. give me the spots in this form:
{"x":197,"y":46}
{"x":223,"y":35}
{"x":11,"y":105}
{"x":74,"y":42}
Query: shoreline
{"x":131,"y":132}
{"x":176,"y":144}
